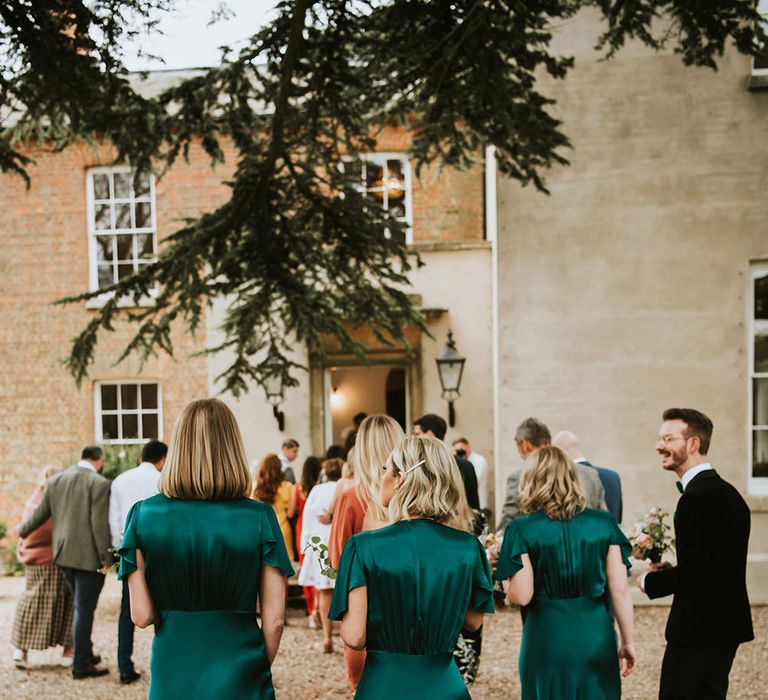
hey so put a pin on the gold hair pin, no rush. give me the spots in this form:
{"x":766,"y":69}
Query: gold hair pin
{"x":418,"y":464}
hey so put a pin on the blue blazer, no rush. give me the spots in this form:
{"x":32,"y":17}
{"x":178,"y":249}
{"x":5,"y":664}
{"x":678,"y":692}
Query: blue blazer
{"x":612,"y":484}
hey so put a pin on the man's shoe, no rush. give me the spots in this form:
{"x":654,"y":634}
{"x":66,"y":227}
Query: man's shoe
{"x":130,"y":677}
{"x":92,"y":672}
{"x":95,"y":660}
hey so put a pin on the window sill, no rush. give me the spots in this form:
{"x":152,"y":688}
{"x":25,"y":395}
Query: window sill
{"x":124,"y":303}
{"x":757,"y":81}
{"x":440,"y":246}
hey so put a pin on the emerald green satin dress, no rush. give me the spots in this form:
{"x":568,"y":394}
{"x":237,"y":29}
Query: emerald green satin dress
{"x":422,"y":578}
{"x":202,"y":563}
{"x":569,"y":649}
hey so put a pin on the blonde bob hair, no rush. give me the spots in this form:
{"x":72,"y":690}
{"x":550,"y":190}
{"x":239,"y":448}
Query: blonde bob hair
{"x":376,"y":437}
{"x":549,"y":483}
{"x":206,"y":459}
{"x":432,"y":490}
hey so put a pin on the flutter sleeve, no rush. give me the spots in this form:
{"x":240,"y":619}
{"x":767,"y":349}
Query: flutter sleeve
{"x":273,"y":551}
{"x":481,"y":597}
{"x":351,"y":574}
{"x":616,"y":536}
{"x":130,"y":543}
{"x":512,"y":548}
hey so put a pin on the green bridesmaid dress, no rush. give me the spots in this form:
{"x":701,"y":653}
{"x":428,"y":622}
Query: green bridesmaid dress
{"x":202,"y":563}
{"x":569,"y":649}
{"x":422,"y":578}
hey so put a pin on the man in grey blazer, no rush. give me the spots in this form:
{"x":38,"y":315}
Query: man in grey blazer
{"x":78,"y":501}
{"x":530,"y":435}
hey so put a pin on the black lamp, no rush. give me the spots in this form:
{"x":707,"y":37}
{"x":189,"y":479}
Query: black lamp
{"x":450,"y":366}
{"x":273,"y":386}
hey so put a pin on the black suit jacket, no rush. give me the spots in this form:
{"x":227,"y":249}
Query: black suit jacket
{"x":711,"y":608}
{"x":612,"y":485}
{"x":469,"y":477}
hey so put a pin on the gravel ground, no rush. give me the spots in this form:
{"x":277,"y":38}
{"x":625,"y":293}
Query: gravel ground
{"x":302,"y":671}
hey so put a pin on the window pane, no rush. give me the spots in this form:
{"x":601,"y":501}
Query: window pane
{"x":103,"y":221}
{"x":106,"y":275}
{"x":760,"y":453}
{"x":143,"y":215}
{"x":142,"y":186}
{"x":109,"y":427}
{"x":123,"y":185}
{"x":761,"y":297}
{"x":144,"y":245}
{"x":108,"y":397}
{"x":123,"y":216}
{"x":124,"y":247}
{"x":373,"y":175}
{"x":397,"y":209}
{"x":148,"y":396}
{"x":130,"y":426}
{"x":124,"y":270}
{"x":104,"y":248}
{"x":761,"y":351}
{"x":149,"y":426}
{"x":129,"y":396}
{"x":760,"y":401}
{"x":101,"y":186}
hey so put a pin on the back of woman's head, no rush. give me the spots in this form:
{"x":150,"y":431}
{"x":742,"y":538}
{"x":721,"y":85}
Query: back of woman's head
{"x":310,"y":473}
{"x":206,"y":459}
{"x":332,"y":469}
{"x":377,"y":436}
{"x":549,"y":483}
{"x":433,"y":489}
{"x":269,"y":476}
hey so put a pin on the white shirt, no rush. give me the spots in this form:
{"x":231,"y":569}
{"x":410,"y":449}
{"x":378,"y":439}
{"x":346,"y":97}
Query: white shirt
{"x":129,"y":488}
{"x":686,"y":478}
{"x":86,"y":465}
{"x":480,"y":464}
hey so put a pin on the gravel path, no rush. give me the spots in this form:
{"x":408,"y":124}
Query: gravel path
{"x":302,"y":671}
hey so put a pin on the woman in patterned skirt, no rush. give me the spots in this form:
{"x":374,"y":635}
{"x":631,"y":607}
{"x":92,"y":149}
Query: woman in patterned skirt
{"x":44,"y":612}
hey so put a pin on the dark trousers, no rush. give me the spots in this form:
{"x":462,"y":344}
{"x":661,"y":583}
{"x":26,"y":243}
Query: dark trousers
{"x":86,"y":587}
{"x":125,"y":630}
{"x":696,"y":674}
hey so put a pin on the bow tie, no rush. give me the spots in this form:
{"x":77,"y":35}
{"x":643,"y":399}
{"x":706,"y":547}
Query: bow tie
{"x":679,"y":485}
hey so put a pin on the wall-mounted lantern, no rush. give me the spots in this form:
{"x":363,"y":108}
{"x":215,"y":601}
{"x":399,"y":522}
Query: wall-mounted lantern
{"x":450,"y":366}
{"x":273,"y":386}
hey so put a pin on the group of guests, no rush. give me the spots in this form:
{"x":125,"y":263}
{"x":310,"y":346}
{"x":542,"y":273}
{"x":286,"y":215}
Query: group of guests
{"x":207,"y":555}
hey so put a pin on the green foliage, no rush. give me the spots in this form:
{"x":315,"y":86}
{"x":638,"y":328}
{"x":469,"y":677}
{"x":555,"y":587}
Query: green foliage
{"x":296,"y":251}
{"x":10,"y":564}
{"x":118,"y":458}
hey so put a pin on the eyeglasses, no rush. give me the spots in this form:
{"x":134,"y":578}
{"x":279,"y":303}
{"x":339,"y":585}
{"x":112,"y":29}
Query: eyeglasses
{"x":666,"y":439}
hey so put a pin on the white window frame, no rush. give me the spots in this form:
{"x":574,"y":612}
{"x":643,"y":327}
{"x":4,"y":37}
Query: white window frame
{"x":97,"y":411}
{"x":93,"y":264}
{"x":755,"y":485}
{"x":381,"y":158}
{"x":762,"y":8}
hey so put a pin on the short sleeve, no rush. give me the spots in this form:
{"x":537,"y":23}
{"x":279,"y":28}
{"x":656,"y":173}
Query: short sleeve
{"x":512,"y":548}
{"x":130,"y":543}
{"x":273,"y":551}
{"x":616,"y":536}
{"x":351,"y":574}
{"x":481,"y":597}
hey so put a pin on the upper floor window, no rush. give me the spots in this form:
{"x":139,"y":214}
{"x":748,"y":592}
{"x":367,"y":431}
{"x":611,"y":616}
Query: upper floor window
{"x":760,"y":62}
{"x":128,"y":412}
{"x":122,"y":233}
{"x":386,"y":178}
{"x":758,"y":360}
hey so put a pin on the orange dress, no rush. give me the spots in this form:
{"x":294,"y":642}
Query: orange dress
{"x":348,"y":517}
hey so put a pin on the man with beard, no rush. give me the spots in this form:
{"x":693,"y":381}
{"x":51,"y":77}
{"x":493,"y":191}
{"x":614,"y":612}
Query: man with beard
{"x":710,"y":614}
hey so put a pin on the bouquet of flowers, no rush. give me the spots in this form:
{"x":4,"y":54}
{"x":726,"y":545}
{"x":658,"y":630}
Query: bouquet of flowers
{"x":491,"y":542}
{"x":651,"y":537}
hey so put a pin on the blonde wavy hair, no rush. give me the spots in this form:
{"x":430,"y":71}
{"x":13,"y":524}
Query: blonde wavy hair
{"x":206,"y":459}
{"x":549,"y":483}
{"x":377,"y":436}
{"x":433,"y":490}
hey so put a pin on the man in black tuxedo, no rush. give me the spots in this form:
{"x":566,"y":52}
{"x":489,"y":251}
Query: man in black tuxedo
{"x":710,"y":613}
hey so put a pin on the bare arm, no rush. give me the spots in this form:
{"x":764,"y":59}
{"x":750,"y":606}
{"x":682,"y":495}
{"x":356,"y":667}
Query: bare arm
{"x":473,"y":619}
{"x":355,"y":619}
{"x":519,"y":588}
{"x":272,"y":597}
{"x":143,"y":611}
{"x":616,"y":574}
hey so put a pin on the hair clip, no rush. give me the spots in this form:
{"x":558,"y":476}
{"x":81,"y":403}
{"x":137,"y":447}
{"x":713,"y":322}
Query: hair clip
{"x":418,"y":464}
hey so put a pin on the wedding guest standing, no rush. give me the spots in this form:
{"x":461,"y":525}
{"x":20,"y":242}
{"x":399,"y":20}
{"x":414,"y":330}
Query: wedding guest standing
{"x":288,"y":454}
{"x":78,"y":501}
{"x":43,"y":616}
{"x":273,"y":488}
{"x":310,"y":474}
{"x":128,"y":488}
{"x":710,"y":614}
{"x":356,"y":510}
{"x":404,"y":591}
{"x":198,"y":557}
{"x":311,"y":573}
{"x":557,"y":560}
